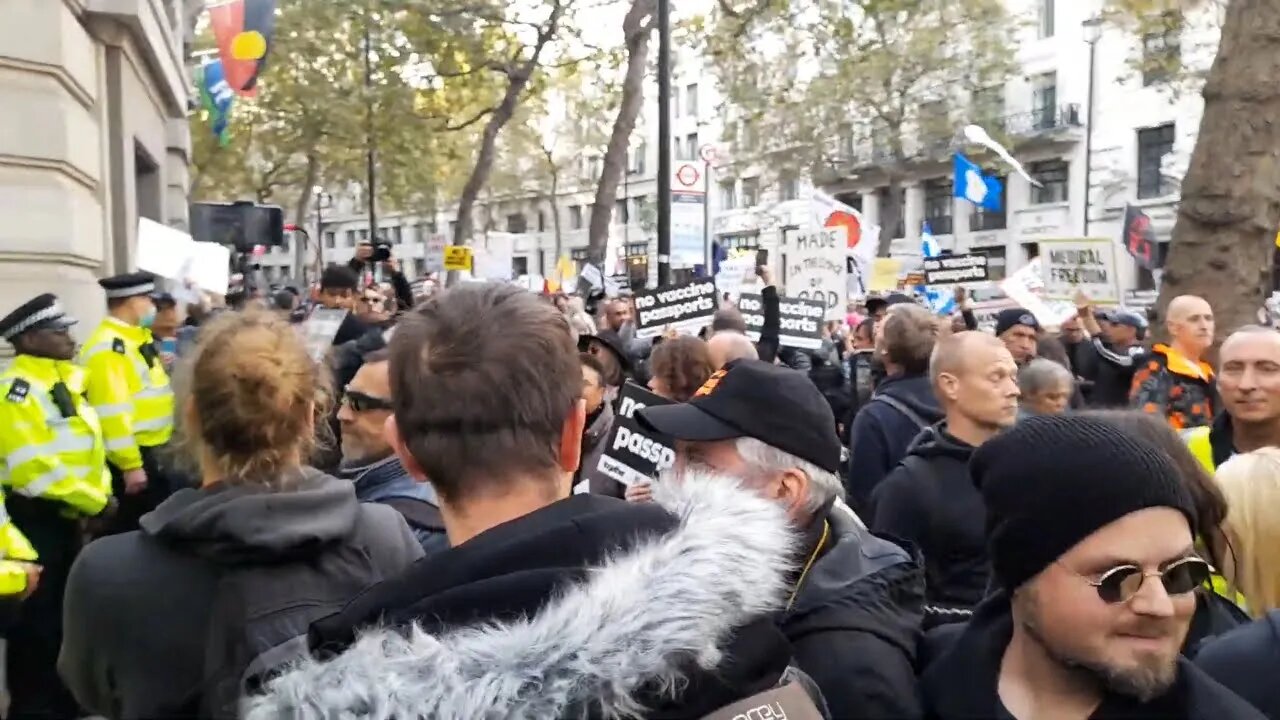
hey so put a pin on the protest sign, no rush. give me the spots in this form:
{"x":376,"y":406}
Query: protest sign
{"x":816,"y":268}
{"x":955,"y":269}
{"x":685,"y":307}
{"x":1026,"y":288}
{"x":320,"y":329}
{"x":457,"y":257}
{"x":1080,"y":265}
{"x":433,"y":253}
{"x":631,"y":453}
{"x":801,"y":325}
{"x":884,"y":275}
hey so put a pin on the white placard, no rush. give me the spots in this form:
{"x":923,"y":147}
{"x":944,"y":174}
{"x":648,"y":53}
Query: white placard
{"x":433,"y":253}
{"x":210,"y":267}
{"x":1026,"y":288}
{"x":1079,"y":265}
{"x":816,"y":268}
{"x":163,"y":250}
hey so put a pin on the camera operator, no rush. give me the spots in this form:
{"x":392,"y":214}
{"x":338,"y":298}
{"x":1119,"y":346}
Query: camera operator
{"x":373,"y":264}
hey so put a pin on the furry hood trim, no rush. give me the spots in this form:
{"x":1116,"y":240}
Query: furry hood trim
{"x":639,"y":620}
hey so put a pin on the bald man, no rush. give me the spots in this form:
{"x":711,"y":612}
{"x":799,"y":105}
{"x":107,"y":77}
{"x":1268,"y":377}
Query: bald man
{"x":1175,"y":382}
{"x":727,"y":346}
{"x":929,"y":499}
{"x":1249,"y":386}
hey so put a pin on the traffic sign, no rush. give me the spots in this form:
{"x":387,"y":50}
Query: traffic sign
{"x":708,"y":154}
{"x":688,"y":175}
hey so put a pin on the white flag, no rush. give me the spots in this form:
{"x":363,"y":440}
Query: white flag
{"x":975,"y":134}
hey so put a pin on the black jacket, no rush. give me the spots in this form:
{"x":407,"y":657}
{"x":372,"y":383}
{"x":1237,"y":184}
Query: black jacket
{"x":579,"y":608}
{"x":1247,"y":660}
{"x":881,"y":434}
{"x":137,"y":604}
{"x":931,"y":501}
{"x":855,"y":623}
{"x":1113,"y":376}
{"x":961,"y":678}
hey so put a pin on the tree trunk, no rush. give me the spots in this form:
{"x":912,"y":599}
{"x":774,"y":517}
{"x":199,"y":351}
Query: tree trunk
{"x":637,"y":29}
{"x":517,"y":80}
{"x":1224,"y":239}
{"x":891,"y":211}
{"x":554,"y":201}
{"x":310,"y":178}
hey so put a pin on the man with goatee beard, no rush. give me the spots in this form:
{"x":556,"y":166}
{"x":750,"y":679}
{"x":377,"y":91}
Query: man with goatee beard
{"x":1091,"y":534}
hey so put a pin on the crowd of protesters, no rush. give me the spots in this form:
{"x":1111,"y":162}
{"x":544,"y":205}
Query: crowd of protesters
{"x":918,"y":518}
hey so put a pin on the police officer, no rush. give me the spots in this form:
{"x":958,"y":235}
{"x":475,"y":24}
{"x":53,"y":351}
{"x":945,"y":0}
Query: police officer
{"x":129,"y":389}
{"x":53,"y":461}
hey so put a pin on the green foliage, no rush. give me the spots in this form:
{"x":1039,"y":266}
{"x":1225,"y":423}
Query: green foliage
{"x":1174,"y":40}
{"x":817,"y":83}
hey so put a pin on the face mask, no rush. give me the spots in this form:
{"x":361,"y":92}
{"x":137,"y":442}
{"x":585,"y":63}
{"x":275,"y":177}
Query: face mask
{"x":147,"y":320}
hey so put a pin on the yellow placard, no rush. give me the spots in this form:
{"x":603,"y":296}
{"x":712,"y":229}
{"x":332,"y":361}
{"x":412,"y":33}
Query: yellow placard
{"x":457,"y":257}
{"x":884,"y":275}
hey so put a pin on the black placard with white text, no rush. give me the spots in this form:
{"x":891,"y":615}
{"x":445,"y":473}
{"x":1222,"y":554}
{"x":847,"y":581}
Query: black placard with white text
{"x":955,"y":269}
{"x":686,"y":308}
{"x":631,"y":453}
{"x":801,"y":324}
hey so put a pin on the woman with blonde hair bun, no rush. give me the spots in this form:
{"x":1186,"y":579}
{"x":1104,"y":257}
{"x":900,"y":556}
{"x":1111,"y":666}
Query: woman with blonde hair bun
{"x":221,"y":582}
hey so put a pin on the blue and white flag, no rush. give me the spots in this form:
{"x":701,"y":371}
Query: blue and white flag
{"x":941,"y":302}
{"x":970,"y":184}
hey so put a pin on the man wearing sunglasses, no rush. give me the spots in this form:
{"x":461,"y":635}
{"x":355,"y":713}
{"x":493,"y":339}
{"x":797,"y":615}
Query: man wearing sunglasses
{"x":369,"y":462}
{"x":1091,"y":536}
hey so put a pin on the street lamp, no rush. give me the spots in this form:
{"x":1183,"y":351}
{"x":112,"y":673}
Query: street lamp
{"x":1092,"y":34}
{"x":664,"y":142}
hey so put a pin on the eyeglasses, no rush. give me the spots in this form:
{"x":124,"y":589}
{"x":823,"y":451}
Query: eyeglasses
{"x":361,"y":402}
{"x":1120,"y":584}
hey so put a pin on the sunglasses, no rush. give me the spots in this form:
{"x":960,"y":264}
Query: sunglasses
{"x":360,"y":402}
{"x":1120,"y":584}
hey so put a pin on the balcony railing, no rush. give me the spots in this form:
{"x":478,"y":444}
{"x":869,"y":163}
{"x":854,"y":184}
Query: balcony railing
{"x":1038,"y":121}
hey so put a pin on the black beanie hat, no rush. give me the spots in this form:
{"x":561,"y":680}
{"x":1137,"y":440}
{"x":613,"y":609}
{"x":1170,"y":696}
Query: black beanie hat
{"x":1051,"y":481}
{"x":1010,"y":317}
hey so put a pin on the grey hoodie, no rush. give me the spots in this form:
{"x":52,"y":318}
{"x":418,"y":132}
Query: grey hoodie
{"x":137,"y":604}
{"x":646,"y":621}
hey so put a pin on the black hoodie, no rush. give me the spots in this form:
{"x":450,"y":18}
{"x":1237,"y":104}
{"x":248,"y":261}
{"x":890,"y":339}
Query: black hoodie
{"x":930,"y":500}
{"x":881,"y":433}
{"x":138,"y":604}
{"x":1247,"y":660}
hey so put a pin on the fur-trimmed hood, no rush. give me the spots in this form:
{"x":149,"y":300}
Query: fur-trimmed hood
{"x":638,"y":628}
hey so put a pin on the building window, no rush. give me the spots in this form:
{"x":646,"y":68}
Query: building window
{"x":517,"y":223}
{"x":1162,"y":49}
{"x":1044,"y":19}
{"x":995,"y":262}
{"x":1153,"y":144}
{"x":542,"y":221}
{"x":728,"y":195}
{"x":330,"y":239}
{"x":750,"y":192}
{"x":1044,"y":101}
{"x":364,"y":234}
{"x":899,"y":229}
{"x":351,"y":238}
{"x":988,"y":107}
{"x":691,"y":100}
{"x":575,"y":217}
{"x":621,"y":212}
{"x":937,"y":205}
{"x":519,"y":266}
{"x":750,"y":135}
{"x":1053,"y":176}
{"x":394,"y":234}
{"x":789,"y":189}
{"x":579,"y":257}
{"x":691,"y":145}
{"x":636,"y":166}
{"x":641,"y":206}
{"x":981,"y":219}
{"x":675,"y":102}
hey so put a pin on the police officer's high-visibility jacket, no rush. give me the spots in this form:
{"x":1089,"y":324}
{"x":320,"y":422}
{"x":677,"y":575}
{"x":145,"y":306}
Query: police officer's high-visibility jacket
{"x":13,"y":546}
{"x":129,"y":389}
{"x":1197,"y":440}
{"x":51,"y":444}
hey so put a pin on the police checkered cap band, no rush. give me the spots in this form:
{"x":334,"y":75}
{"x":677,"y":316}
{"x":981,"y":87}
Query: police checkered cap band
{"x":53,"y":312}
{"x":132,"y":290}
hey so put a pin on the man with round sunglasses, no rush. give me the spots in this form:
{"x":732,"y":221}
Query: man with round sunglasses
{"x":1091,"y":537}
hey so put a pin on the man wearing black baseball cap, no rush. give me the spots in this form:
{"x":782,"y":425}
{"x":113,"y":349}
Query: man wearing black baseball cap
{"x":771,"y":428}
